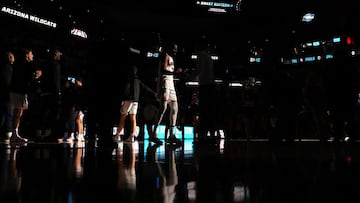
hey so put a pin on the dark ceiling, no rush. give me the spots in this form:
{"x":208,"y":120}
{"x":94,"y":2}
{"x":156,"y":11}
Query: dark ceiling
{"x":257,"y":22}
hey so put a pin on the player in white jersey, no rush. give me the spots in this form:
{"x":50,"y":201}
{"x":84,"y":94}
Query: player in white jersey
{"x":167,"y":93}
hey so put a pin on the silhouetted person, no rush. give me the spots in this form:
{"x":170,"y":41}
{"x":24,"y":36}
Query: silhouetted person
{"x":68,"y":111}
{"x":341,"y":94}
{"x":315,"y":100}
{"x":19,"y":88}
{"x":37,"y":104}
{"x":283,"y":97}
{"x":130,"y":103}
{"x":204,"y":73}
{"x":52,"y":73}
{"x":6,"y":112}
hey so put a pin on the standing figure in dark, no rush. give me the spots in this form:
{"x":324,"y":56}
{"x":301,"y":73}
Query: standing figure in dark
{"x":283,"y":97}
{"x":130,"y":102}
{"x":341,"y":94}
{"x":36,"y":104}
{"x":71,"y":106}
{"x":19,"y":88}
{"x":204,"y":73}
{"x":6,"y":69}
{"x":52,"y":95}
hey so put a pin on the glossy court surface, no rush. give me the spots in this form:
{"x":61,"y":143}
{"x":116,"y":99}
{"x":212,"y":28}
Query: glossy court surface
{"x":225,"y":170}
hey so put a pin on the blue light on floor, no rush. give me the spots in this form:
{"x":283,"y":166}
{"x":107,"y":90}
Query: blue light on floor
{"x":188,"y":132}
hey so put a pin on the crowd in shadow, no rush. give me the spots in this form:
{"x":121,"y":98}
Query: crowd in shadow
{"x":315,"y":99}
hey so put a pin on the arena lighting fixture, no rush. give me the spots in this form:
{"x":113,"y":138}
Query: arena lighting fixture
{"x":192,"y":83}
{"x":152,"y":54}
{"x":310,"y":58}
{"x":196,"y":83}
{"x":349,"y":40}
{"x":353,"y":52}
{"x":218,"y":81}
{"x":255,"y":59}
{"x":336,"y":39}
{"x":316,"y":43}
{"x":329,"y":56}
{"x":214,"y":57}
{"x":235,"y":84}
{"x":294,"y":61}
{"x":238,"y":5}
{"x":308,"y":17}
{"x":193,"y":56}
{"x":134,"y":50}
{"x":217,"y":10}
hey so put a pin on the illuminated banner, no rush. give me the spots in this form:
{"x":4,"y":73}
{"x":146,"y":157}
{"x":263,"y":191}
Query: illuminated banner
{"x":216,"y":7}
{"x":28,"y":16}
{"x":79,"y":33}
